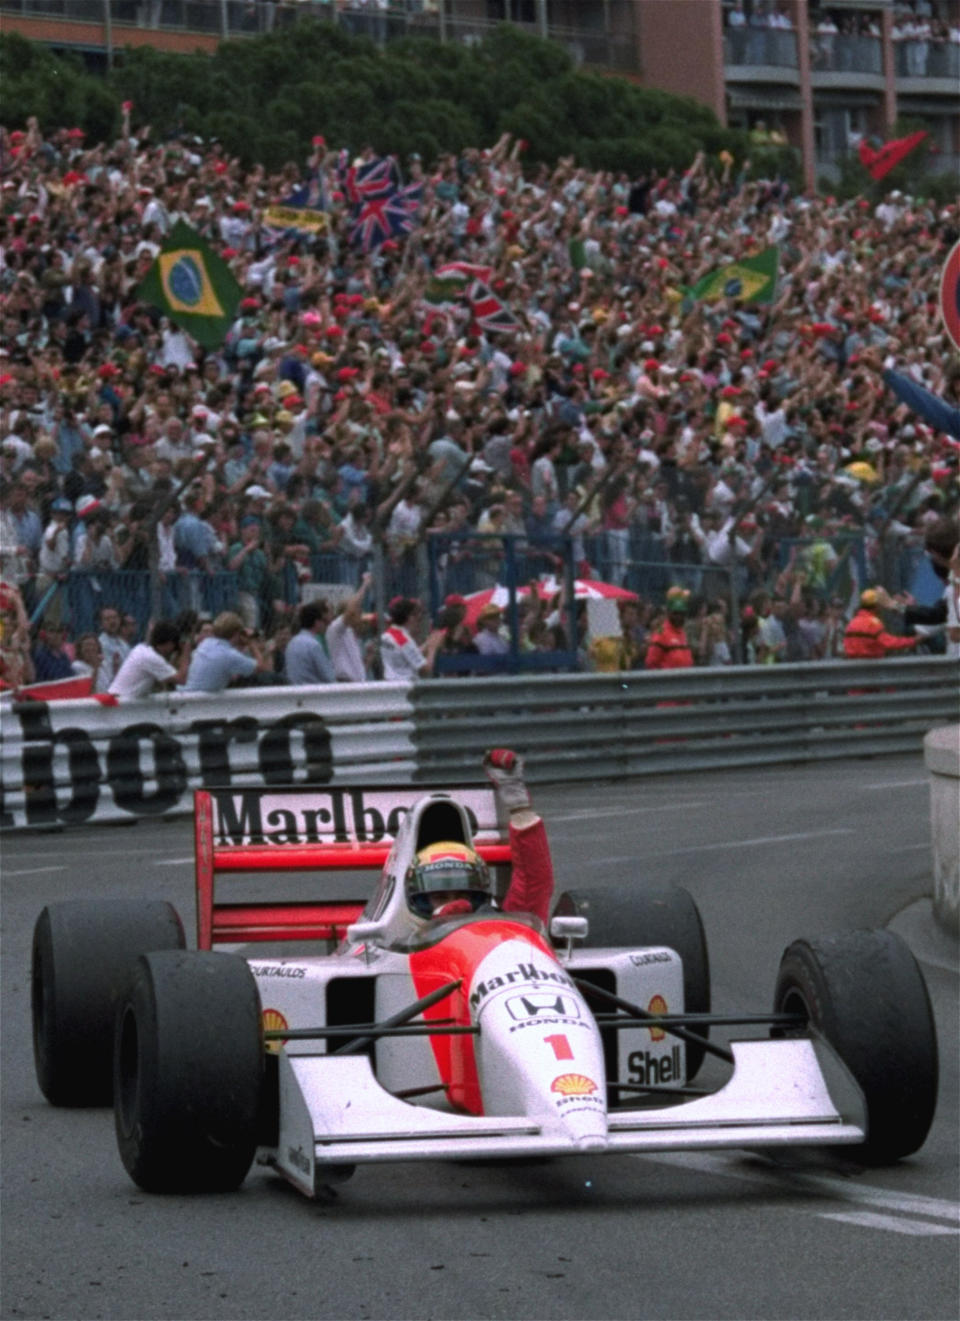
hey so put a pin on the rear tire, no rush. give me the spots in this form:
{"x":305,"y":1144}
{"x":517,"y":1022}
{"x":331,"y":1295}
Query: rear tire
{"x":81,"y":952}
{"x":188,"y":1072}
{"x":625,"y":916}
{"x":865,"y":993}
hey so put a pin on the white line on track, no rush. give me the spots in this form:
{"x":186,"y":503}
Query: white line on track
{"x":674,"y":805}
{"x":728,"y":844}
{"x":172,"y":862}
{"x":100,"y":853}
{"x":871,"y":1220}
{"x":32,"y":871}
{"x":895,"y":784}
{"x":909,"y":1206}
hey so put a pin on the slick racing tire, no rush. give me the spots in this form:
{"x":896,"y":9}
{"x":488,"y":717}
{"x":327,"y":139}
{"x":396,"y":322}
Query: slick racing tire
{"x":864,"y":992}
{"x":624,"y":916}
{"x":82,"y":949}
{"x":188,"y":1071}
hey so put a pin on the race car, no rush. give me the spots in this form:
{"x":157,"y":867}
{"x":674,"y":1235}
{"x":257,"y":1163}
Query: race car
{"x":480,"y":1035}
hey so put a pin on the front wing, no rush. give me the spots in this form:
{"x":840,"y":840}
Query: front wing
{"x":333,"y":1112}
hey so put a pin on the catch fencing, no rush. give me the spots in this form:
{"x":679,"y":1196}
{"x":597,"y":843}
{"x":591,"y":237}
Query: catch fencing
{"x":68,"y":762}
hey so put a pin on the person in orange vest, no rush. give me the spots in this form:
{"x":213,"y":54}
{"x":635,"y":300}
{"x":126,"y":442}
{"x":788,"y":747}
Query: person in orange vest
{"x":669,"y":648}
{"x":866,"y":638}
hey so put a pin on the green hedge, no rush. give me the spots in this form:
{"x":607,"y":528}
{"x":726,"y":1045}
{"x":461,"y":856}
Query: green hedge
{"x":266,"y":97}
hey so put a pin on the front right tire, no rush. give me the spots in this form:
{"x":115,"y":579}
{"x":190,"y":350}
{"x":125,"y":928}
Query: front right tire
{"x":865,"y":993}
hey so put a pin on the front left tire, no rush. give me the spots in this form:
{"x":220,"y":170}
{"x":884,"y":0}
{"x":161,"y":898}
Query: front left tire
{"x":188,"y":1071}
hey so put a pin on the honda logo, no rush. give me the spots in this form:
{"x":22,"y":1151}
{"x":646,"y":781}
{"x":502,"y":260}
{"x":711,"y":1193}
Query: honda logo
{"x":542,"y":1004}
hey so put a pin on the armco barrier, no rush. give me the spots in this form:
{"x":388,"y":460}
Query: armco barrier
{"x":583,"y":726}
{"x":74,"y":761}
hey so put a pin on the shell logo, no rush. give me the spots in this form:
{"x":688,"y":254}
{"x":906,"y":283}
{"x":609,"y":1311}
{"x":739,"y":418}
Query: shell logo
{"x":273,"y":1021}
{"x":657,"y":1006}
{"x":573,"y":1084}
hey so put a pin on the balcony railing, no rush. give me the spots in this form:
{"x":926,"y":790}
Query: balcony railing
{"x":593,"y":44}
{"x":761,"y":46}
{"x":927,"y":59}
{"x":846,"y":54}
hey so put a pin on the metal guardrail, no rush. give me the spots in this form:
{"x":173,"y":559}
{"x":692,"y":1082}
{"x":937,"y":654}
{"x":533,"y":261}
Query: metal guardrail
{"x":574,"y":727}
{"x":74,"y":761}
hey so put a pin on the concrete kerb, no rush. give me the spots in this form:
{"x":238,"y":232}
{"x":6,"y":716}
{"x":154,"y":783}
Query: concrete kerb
{"x":941,"y":750}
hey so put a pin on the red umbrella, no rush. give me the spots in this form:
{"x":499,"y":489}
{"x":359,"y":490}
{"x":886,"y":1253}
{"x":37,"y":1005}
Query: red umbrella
{"x":498,"y":595}
{"x":588,"y":589}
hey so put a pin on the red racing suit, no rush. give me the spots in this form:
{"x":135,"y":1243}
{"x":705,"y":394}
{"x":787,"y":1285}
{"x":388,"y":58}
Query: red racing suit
{"x":669,"y":649}
{"x":865,"y":638}
{"x":531,"y":880}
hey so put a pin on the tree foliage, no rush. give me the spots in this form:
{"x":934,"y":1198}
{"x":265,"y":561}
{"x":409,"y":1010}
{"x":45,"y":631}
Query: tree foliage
{"x":264,"y":98}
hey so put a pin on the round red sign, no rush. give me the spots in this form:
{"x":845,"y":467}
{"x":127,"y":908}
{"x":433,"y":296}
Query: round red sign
{"x":950,"y":294}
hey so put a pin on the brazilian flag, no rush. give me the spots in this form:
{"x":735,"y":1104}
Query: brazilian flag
{"x":752,"y":280}
{"x":193,"y":286}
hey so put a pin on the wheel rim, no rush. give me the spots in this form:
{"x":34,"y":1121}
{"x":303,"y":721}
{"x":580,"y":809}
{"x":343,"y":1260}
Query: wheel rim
{"x":128,"y":1081}
{"x":793,"y":1001}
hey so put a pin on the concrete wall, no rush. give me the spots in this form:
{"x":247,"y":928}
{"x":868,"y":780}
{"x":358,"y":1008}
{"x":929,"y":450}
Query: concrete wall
{"x":941,"y":749}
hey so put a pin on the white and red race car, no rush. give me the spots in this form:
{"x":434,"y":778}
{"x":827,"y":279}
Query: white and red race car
{"x":481,"y":1035}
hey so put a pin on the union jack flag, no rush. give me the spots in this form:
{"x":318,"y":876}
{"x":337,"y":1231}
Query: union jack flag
{"x":386,"y":217}
{"x":490,"y":313}
{"x":371,"y":179}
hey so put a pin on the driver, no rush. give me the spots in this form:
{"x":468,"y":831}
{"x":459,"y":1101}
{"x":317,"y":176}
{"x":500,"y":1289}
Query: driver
{"x":450,"y":878}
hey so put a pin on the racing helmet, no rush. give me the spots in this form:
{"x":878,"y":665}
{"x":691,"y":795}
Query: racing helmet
{"x":447,"y":867}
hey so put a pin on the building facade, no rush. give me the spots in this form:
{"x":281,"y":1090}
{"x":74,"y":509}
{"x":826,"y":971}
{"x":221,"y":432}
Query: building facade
{"x":818,"y":75}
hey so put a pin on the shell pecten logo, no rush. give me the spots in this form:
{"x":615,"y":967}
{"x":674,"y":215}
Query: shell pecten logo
{"x":273,"y":1021}
{"x":573,"y":1084}
{"x":657,"y":1006}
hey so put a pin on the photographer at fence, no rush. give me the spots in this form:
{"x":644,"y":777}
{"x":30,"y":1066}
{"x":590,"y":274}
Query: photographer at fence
{"x":221,"y":659}
{"x":149,"y":665}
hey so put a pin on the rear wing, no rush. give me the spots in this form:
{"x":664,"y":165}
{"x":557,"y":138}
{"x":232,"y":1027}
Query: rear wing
{"x":307,"y":829}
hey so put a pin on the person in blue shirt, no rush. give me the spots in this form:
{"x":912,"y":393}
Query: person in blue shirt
{"x":218,"y":661}
{"x":194,"y":538}
{"x":305,"y":660}
{"x":50,"y":661}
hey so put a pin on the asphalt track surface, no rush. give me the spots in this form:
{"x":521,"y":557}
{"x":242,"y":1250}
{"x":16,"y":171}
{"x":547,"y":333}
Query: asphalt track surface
{"x":769,"y":855}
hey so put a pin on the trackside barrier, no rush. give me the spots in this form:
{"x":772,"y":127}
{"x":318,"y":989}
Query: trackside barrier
{"x":74,"y":761}
{"x":941,"y":750}
{"x":593,"y":726}
{"x":258,"y":830}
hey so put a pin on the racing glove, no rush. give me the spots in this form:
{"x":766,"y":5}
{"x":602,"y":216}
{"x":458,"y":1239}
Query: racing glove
{"x":504,"y":770}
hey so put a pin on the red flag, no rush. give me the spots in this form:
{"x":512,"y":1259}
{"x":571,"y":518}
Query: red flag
{"x":56,"y":689}
{"x":879,"y":161}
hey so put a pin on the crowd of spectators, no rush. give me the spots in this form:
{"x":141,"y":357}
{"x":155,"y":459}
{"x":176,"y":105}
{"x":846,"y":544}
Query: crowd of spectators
{"x":664,"y":440}
{"x":926,"y":37}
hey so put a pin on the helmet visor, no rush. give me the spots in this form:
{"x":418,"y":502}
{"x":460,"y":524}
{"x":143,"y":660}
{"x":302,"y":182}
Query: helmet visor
{"x":446,"y":874}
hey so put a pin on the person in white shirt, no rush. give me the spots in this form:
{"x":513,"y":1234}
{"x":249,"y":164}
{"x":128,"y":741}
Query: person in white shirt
{"x":114,"y":647}
{"x":149,"y":664}
{"x":54,"y":557}
{"x":343,"y":638}
{"x":402,"y":658}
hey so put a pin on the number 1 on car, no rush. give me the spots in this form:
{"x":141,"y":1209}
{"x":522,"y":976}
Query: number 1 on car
{"x":561,"y":1046}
